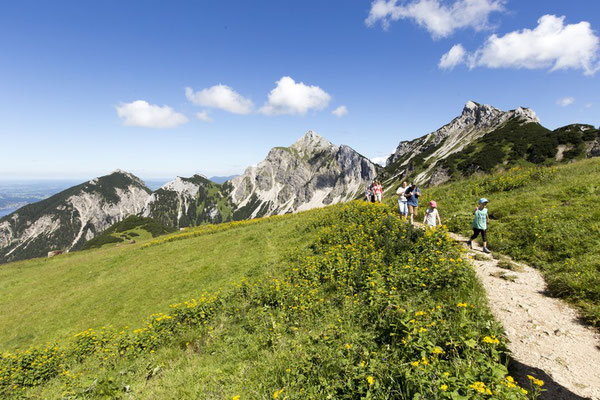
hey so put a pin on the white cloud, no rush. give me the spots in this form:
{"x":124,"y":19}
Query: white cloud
{"x":588,"y":105}
{"x":340,"y":111}
{"x":565,"y":101}
{"x":203,"y":116}
{"x":452,"y":58}
{"x":439,"y":19}
{"x":552,"y":44}
{"x":380,"y":160}
{"x":289,"y":97}
{"x":222,"y":97}
{"x":140,"y":113}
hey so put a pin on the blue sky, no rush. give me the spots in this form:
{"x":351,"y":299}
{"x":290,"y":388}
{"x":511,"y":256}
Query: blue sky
{"x":88,"y":87}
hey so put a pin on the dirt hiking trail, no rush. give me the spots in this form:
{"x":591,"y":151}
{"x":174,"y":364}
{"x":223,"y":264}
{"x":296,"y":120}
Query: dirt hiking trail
{"x":547,"y":340}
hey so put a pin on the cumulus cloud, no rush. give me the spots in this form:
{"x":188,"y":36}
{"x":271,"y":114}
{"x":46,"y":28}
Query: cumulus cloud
{"x":203,"y":116}
{"x":439,"y":19}
{"x":452,"y":58}
{"x":552,"y":44}
{"x":340,"y":111}
{"x":222,"y":97}
{"x":289,"y":97}
{"x":565,"y":101}
{"x":380,"y":160}
{"x":141,"y":113}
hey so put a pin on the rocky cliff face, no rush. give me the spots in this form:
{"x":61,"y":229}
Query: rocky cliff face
{"x":310,"y":173}
{"x":68,"y":219}
{"x":475,"y":122}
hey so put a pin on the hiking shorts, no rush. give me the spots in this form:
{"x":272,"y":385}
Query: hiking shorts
{"x":476,"y":233}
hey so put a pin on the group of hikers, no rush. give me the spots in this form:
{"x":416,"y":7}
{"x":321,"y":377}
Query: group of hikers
{"x":374,"y":192}
{"x":408,"y":204}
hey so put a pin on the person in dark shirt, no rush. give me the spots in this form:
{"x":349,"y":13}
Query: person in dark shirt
{"x":412,"y":195}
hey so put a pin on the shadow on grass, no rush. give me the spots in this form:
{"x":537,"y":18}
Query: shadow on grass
{"x":553,"y":390}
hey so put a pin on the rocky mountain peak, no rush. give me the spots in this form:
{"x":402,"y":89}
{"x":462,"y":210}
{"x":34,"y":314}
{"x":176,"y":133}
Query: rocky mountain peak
{"x":475,"y":121}
{"x":67,"y":219}
{"x":475,"y":113}
{"x":128,"y":176}
{"x":311,"y":141}
{"x":526,"y":114}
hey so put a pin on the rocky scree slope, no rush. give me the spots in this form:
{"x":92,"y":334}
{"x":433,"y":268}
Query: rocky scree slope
{"x":310,"y":173}
{"x":484,"y":137}
{"x":68,"y":219}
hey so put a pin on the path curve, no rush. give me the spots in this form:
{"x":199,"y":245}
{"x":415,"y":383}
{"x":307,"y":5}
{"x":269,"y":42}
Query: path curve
{"x":546,"y":338}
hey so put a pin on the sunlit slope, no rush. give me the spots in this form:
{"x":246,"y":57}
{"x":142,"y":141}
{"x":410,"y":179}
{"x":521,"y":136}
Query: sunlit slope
{"x":549,"y":217}
{"x":369,"y":308}
{"x":48,"y":299}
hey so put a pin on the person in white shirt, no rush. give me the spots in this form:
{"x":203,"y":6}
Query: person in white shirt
{"x":432,"y":216}
{"x":402,"y":200}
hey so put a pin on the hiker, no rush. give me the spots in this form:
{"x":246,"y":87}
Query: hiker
{"x":432,"y":216}
{"x":402,"y":200}
{"x":480,"y":224}
{"x":368,"y":194}
{"x":377,"y":191}
{"x":412,"y":200}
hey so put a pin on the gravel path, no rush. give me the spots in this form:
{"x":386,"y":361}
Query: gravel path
{"x":546,"y":338}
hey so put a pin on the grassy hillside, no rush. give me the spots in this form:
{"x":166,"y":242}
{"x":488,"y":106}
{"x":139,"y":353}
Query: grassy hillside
{"x":50,"y":299}
{"x":368,"y":308}
{"x":132,"y":228}
{"x":548,"y":217}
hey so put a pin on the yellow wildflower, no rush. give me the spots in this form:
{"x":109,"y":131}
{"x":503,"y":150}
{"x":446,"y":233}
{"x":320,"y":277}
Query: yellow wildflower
{"x":370,"y":380}
{"x":478,"y":386}
{"x":491,"y":340}
{"x":535,"y":381}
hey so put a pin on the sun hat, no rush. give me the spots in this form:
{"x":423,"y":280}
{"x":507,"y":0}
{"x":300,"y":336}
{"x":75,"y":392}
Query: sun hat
{"x":483,"y":200}
{"x":433,"y":204}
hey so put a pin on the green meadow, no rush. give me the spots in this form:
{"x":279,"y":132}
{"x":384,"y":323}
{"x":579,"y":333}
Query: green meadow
{"x":343,"y":302}
{"x":51,"y":299}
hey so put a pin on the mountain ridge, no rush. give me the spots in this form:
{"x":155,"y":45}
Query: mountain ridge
{"x":312,"y":172}
{"x":428,"y":159}
{"x":67,"y":219}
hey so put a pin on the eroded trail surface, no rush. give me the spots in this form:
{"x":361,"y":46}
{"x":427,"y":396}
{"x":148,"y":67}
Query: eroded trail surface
{"x":546,"y":338}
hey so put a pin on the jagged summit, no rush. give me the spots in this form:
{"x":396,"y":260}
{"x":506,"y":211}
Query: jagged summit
{"x":311,"y":140}
{"x":475,"y":121}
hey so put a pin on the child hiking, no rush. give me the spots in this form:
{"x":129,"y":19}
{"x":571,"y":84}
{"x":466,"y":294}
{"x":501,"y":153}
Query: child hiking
{"x":402,"y":201}
{"x":432,"y":216}
{"x":479,"y":225}
{"x":368,"y":194}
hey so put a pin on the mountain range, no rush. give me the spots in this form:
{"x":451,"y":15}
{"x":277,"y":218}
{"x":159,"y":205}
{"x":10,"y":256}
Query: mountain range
{"x":310,"y":173}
